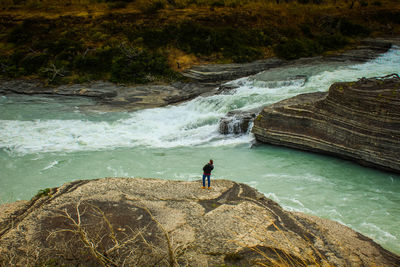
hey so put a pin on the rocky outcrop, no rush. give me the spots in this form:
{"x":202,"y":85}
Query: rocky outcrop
{"x":237,"y":121}
{"x":147,"y":222}
{"x":357,"y":120}
{"x":110,"y":96}
{"x":227,"y":72}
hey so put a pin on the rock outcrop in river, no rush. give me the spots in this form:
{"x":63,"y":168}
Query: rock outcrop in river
{"x":237,"y":121}
{"x":355,"y":120}
{"x":149,"y":222}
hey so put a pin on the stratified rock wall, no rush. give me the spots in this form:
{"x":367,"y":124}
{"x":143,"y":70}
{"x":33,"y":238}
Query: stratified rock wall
{"x":355,"y":120}
{"x":150,"y":222}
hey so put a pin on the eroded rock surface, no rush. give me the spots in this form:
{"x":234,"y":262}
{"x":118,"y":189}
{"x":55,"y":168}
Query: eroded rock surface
{"x":147,"y":222}
{"x":110,"y":96}
{"x":357,"y":120}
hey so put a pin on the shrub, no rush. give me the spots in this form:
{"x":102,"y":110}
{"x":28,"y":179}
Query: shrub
{"x":157,"y":37}
{"x":332,"y":41}
{"x":363,"y":3}
{"x":34,"y":61}
{"x":297,"y":48}
{"x":377,"y":3}
{"x":65,"y":45}
{"x":194,"y":38}
{"x":117,"y":5}
{"x":306,"y":29}
{"x":218,"y":3}
{"x":318,"y":2}
{"x":95,"y":61}
{"x":152,"y":6}
{"x":243,"y":54}
{"x":20,"y":34}
{"x":350,"y":28}
{"x":137,"y":64}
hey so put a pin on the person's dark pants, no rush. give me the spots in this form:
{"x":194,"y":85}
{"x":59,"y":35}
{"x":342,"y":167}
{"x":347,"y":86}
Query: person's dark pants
{"x":204,"y":179}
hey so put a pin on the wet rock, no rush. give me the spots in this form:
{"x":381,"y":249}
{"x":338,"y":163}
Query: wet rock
{"x":99,"y":89}
{"x":226,"y":72}
{"x":227,"y":88}
{"x":237,"y":121}
{"x":112,"y":97}
{"x":137,"y":222}
{"x":356,"y":120}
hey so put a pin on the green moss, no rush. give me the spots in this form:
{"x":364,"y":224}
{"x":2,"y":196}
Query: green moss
{"x":43,"y":193}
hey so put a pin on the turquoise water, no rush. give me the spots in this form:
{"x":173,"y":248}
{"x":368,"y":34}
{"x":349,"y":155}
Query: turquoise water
{"x":45,"y":142}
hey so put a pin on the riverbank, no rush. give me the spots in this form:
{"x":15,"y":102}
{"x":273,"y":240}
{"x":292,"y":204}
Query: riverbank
{"x":200,"y":80}
{"x":143,"y":42}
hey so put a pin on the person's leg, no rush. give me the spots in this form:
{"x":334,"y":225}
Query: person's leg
{"x":204,"y":180}
{"x":208,"y":178}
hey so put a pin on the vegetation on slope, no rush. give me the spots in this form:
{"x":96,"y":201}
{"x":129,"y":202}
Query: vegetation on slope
{"x":141,"y":41}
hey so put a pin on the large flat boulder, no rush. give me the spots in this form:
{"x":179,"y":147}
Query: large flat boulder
{"x":152,"y":222}
{"x":354,"y":120}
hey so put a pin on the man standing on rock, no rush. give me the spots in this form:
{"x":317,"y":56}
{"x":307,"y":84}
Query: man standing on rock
{"x":207,"y":173}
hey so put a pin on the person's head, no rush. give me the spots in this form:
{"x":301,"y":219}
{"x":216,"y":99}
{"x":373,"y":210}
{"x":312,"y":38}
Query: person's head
{"x":211,"y":161}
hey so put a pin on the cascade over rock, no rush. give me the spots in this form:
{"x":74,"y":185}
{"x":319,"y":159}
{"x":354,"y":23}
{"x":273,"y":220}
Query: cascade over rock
{"x":147,"y":222}
{"x":237,"y":121}
{"x":355,"y":120}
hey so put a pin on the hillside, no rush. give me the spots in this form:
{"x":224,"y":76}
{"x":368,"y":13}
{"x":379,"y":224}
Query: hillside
{"x":152,"y":41}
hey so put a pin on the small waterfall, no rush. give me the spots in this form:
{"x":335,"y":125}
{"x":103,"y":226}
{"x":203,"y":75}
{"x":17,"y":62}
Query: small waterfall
{"x":237,"y":122}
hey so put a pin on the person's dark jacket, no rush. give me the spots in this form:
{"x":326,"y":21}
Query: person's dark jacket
{"x":208,"y":168}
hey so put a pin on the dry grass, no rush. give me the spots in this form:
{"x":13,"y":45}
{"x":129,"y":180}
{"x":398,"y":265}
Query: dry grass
{"x":278,"y":250}
{"x":54,"y":8}
{"x":85,"y":235}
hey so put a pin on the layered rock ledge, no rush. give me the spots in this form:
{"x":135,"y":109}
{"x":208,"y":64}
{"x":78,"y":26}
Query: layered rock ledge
{"x":150,"y":222}
{"x":354,"y":120}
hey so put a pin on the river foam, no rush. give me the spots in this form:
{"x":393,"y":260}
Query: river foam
{"x":194,"y":123}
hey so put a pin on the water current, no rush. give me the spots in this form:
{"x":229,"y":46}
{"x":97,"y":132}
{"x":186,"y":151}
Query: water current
{"x":48,"y":141}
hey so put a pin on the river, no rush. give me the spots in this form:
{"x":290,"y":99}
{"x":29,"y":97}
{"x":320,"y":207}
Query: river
{"x":48,"y":141}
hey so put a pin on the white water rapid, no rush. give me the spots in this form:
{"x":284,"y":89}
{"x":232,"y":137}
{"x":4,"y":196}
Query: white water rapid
{"x":45,"y":142}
